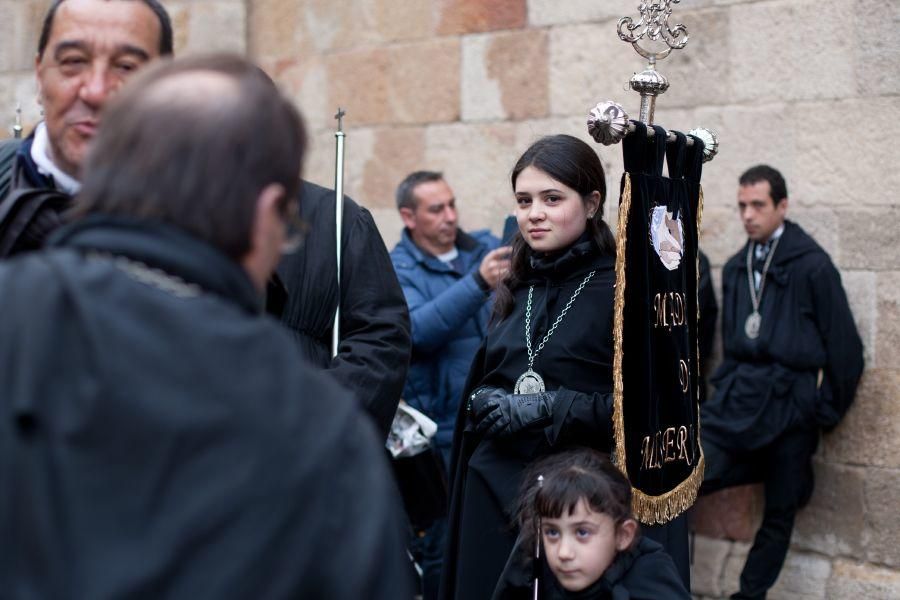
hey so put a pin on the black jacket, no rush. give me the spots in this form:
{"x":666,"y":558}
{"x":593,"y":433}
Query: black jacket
{"x":8,"y":150}
{"x":577,"y":361}
{"x":706,"y":326}
{"x":160,"y":438}
{"x":375,"y":340}
{"x":31,"y":207}
{"x":645,"y":572}
{"x":373,"y":356}
{"x":770,"y":384}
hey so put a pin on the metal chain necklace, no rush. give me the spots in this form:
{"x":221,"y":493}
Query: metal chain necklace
{"x":754,"y":321}
{"x":530,"y":382}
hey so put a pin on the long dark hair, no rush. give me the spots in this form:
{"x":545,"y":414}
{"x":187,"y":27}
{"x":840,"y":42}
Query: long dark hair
{"x":571,"y":162}
{"x":569,"y":477}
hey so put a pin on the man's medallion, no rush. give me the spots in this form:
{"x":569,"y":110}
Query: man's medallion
{"x":529,"y":382}
{"x":751,"y":325}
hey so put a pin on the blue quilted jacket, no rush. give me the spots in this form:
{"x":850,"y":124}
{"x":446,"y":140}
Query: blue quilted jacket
{"x":449,"y":315}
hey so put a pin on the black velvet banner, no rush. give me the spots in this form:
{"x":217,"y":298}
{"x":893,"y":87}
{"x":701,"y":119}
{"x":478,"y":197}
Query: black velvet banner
{"x":656,"y":365}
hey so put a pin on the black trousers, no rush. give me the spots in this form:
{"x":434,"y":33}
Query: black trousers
{"x":784,"y":467}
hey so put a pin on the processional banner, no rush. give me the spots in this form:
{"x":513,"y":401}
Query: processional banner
{"x":656,"y":367}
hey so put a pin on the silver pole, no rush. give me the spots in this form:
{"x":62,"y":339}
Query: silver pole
{"x":338,"y":222}
{"x":537,"y":548}
{"x":17,"y":128}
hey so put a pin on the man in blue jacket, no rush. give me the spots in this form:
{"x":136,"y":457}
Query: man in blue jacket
{"x":447,"y":276}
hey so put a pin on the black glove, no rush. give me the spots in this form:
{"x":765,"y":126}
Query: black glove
{"x":497,"y":413}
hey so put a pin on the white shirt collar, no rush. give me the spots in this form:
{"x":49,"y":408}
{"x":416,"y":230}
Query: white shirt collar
{"x":777,"y":233}
{"x":40,"y":154}
{"x":448,"y":256}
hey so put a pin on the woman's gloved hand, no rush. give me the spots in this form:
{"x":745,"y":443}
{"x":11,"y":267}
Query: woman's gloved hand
{"x":497,"y":413}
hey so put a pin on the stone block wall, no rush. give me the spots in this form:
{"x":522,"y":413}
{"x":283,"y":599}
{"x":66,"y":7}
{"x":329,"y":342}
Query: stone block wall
{"x":463,"y":86}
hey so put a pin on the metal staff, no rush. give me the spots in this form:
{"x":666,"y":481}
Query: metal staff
{"x":537,"y":546}
{"x":17,"y":128}
{"x":338,"y":222}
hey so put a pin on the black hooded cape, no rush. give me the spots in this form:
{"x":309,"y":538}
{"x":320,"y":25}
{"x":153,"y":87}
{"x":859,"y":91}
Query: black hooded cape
{"x":160,"y":438}
{"x":373,"y":356}
{"x":644,"y":572}
{"x":577,"y":361}
{"x":803,"y":369}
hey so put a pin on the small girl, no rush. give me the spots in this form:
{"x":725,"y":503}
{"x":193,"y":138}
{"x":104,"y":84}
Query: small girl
{"x":590,"y":546}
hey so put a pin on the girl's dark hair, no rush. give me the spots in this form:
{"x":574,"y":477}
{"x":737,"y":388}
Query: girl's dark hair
{"x":569,"y":477}
{"x":572,"y":162}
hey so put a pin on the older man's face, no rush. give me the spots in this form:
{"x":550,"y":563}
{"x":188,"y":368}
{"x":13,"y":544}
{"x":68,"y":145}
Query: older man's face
{"x":94,"y":45}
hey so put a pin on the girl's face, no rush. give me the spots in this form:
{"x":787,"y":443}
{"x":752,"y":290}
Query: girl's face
{"x":580,"y":546}
{"x":551,"y":215}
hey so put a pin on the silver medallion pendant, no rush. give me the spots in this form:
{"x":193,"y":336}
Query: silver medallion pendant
{"x":751,"y":325}
{"x":529,"y":382}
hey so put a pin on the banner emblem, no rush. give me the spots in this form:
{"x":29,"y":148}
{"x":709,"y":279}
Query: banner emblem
{"x":667,"y":236}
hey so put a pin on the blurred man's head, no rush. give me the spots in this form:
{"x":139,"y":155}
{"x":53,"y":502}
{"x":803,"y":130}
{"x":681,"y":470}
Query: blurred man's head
{"x":86,"y":50}
{"x":207,"y":144}
{"x":762,"y":201}
{"x":428,"y":209}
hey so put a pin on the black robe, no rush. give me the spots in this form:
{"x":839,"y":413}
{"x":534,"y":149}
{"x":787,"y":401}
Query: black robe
{"x":771,"y":384}
{"x":160,"y":438}
{"x":577,"y":360}
{"x":373,"y":356}
{"x":644,"y":572}
{"x":706,"y":326}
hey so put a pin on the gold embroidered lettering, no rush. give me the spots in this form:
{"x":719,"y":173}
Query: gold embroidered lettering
{"x":678,"y":309}
{"x":684,"y":376}
{"x":669,"y":444}
{"x":645,"y":453}
{"x":668,"y":309}
{"x":683,"y":445}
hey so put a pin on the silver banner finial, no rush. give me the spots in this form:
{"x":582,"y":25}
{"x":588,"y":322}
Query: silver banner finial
{"x":608,"y":122}
{"x":654,"y":25}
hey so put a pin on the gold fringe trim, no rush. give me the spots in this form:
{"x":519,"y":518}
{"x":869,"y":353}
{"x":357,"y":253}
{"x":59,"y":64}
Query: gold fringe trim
{"x":650,"y":510}
{"x":699,"y":211}
{"x":618,"y":323}
{"x":697,"y":405}
{"x":656,"y":510}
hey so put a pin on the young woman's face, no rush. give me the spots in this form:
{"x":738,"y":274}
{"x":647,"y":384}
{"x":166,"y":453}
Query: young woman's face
{"x":551,"y":215}
{"x":580,"y":546}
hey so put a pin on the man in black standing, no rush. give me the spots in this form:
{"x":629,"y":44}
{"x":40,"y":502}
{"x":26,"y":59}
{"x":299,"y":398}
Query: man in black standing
{"x":373,"y":353}
{"x":792,"y":361}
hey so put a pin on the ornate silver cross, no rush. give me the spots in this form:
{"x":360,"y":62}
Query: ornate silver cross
{"x":608,"y":122}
